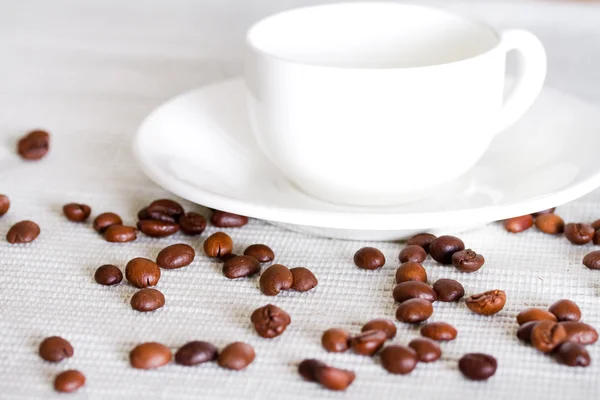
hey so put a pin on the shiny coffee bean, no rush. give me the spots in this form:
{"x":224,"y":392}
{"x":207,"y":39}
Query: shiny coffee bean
{"x":157,"y":229}
{"x":414,"y":311}
{"x":547,"y":335}
{"x":518,"y":224}
{"x":427,"y":350}
{"x":448,"y":290}
{"x":412,"y":253}
{"x":579,"y":233}
{"x":224,"y":219}
{"x":270,"y":321}
{"x":146,"y":300}
{"x":467,"y":260}
{"x":572,"y":354}
{"x":551,"y":224}
{"x":439,"y":331}
{"x":192,"y":223}
{"x":477,"y":366}
{"x":307,"y":368}
{"x":487,"y":303}
{"x":303,"y":279}
{"x":579,"y":332}
{"x":241,"y":267}
{"x":369,"y":258}
{"x":261,"y":252}
{"x":120,"y":234}
{"x":150,"y":355}
{"x":414,"y":289}
{"x":399,"y":359}
{"x":387,"y":326}
{"x":335,"y":340}
{"x":592,"y":260}
{"x":544,"y":212}
{"x":103,"y":221}
{"x":218,"y":244}
{"x":4,"y":204}
{"x":236,"y":356}
{"x":534,"y":314}
{"x":422,"y":239}
{"x":23,"y":232}
{"x":334,"y":378}
{"x":77,"y":212}
{"x":34,"y":145}
{"x":108,"y":275}
{"x":141,"y":272}
{"x":411,"y":271}
{"x":165,"y":210}
{"x":196,"y":352}
{"x":175,"y":256}
{"x":55,"y":349}
{"x":368,"y":343}
{"x":442,"y":248}
{"x":524,"y":331}
{"x":69,"y":381}
{"x":565,"y":310}
{"x":275,"y":279}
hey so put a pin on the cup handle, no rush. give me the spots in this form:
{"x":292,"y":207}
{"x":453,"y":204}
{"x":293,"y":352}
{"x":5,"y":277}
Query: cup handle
{"x":531,"y":72}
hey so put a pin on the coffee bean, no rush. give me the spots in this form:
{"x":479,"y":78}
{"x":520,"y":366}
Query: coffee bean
{"x":261,"y":252}
{"x":141,"y":272}
{"x":467,"y":260}
{"x":596,"y":239}
{"x":150,"y":355}
{"x":448,"y":290}
{"x":550,"y":223}
{"x":411,"y":271}
{"x":381,"y":324}
{"x":55,"y":349}
{"x":335,"y":340}
{"x":76,"y":212}
{"x":544,"y":212}
{"x":368,"y":343}
{"x":4,"y":204}
{"x":120,"y":234}
{"x":518,"y":224}
{"x":414,"y":311}
{"x":573,"y":354}
{"x":218,"y":244}
{"x":547,"y":335}
{"x":477,"y":366}
{"x":439,"y":331}
{"x":275,"y":278}
{"x":414,"y":289}
{"x":596,"y":224}
{"x":442,"y":248}
{"x":303,"y":279}
{"x":534,"y":314}
{"x":175,"y":256}
{"x":157,"y":229}
{"x":270,"y":321}
{"x":427,"y":350}
{"x":369,"y":258}
{"x":165,"y":210}
{"x":103,"y":221}
{"x":236,"y":356}
{"x":23,"y":232}
{"x":192,"y":223}
{"x":565,"y":310}
{"x":196,"y":352}
{"x":413,"y":253}
{"x":146,"y":300}
{"x":422,"y":239}
{"x":579,"y":332}
{"x":487,"y":303}
{"x":108,"y":275}
{"x":224,"y":219}
{"x":399,"y":359}
{"x":579,"y":233}
{"x":34,"y":145}
{"x":524,"y":331}
{"x":307,"y":368}
{"x":241,"y":267}
{"x":69,"y":381}
{"x":334,"y":378}
{"x":143,"y":214}
{"x":592,"y":260}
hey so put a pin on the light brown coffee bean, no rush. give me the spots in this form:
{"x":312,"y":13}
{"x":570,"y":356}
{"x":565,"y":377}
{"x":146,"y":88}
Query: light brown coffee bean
{"x":224,"y":219}
{"x":534,"y":314}
{"x":487,"y":303}
{"x":467,"y":261}
{"x":275,"y":279}
{"x":165,"y":210}
{"x":413,"y":253}
{"x":369,"y":258}
{"x":448,"y":290}
{"x":105,"y":220}
{"x":414,"y":311}
{"x":551,"y":224}
{"x":175,"y":256}
{"x":192,"y":223}
{"x":108,"y":275}
{"x":196,"y":352}
{"x":303,"y":279}
{"x":236,"y":356}
{"x":241,"y":267}
{"x":23,"y":232}
{"x":524,"y":331}
{"x":334,"y":378}
{"x":547,"y":335}
{"x":150,"y":355}
{"x":146,"y":300}
{"x":411,"y":271}
{"x":157,"y":229}
{"x":218,"y":244}
{"x":368,"y":343}
{"x":336,"y":340}
{"x":439,"y":331}
{"x":55,"y":349}
{"x":270,"y":321}
{"x":572,"y":354}
{"x":518,"y":224}
{"x":261,"y":252}
{"x":69,"y":381}
{"x":427,"y":350}
{"x":4,"y":204}
{"x":381,"y":324}
{"x":413,"y":289}
{"x":579,"y":233}
{"x":77,"y":212}
{"x":422,"y":239}
{"x":565,"y":310}
{"x":34,"y":145}
{"x":141,"y":272}
{"x":592,"y":260}
{"x":442,"y":248}
{"x":579,"y":332}
{"x":399,"y":359}
{"x":120,"y":234}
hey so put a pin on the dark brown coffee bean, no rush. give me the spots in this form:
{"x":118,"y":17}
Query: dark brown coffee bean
{"x":573,"y":354}
{"x":596,"y":224}
{"x":270,"y":321}
{"x":55,"y":349}
{"x":241,"y":267}
{"x":592,"y":260}
{"x":150,"y":355}
{"x":23,"y":232}
{"x":467,"y":260}
{"x":218,"y":244}
{"x":412,"y":253}
{"x":369,"y":258}
{"x":565,"y":310}
{"x":196,"y":352}
{"x":120,"y":234}
{"x":165,"y":210}
{"x":157,"y":229}
{"x":108,"y":275}
{"x":4,"y":204}
{"x":399,"y":359}
{"x":105,"y":220}
{"x":307,"y":368}
{"x":442,"y":248}
{"x":423,"y":240}
{"x":303,"y":279}
{"x":236,"y":356}
{"x":487,"y":303}
{"x":34,"y":145}
{"x":335,"y":340}
{"x":579,"y":233}
{"x":175,"y":256}
{"x":414,"y":289}
{"x":524,"y":331}
{"x":143,"y":214}
{"x":448,"y":290}
{"x":334,"y":378}
{"x":544,"y":212}
{"x":76,"y":212}
{"x":381,"y":324}
{"x":596,"y":239}
{"x":275,"y":278}
{"x":141,"y":272}
{"x":550,"y":223}
{"x":368,"y":343}
{"x":261,"y":252}
{"x":69,"y":381}
{"x":411,"y":271}
{"x":518,"y":224}
{"x":534,"y":314}
{"x":579,"y":332}
{"x":477,"y":366}
{"x":414,"y":311}
{"x":224,"y":219}
{"x":547,"y":335}
{"x":427,"y":350}
{"x":439,"y":331}
{"x":192,"y":223}
{"x":146,"y":300}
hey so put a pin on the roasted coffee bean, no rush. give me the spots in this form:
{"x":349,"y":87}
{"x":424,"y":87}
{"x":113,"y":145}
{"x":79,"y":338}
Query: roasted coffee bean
{"x":596,"y":239}
{"x":439,"y":331}
{"x":487,"y":303}
{"x":270,"y":321}
{"x":414,"y":311}
{"x":218,"y":244}
{"x":157,"y":229}
{"x":55,"y":349}
{"x":108,"y":275}
{"x":565,"y":310}
{"x":381,"y":324}
{"x":335,"y":340}
{"x":175,"y":256}
{"x":141,"y":272}
{"x":467,"y":260}
{"x":4,"y":204}
{"x":23,"y":232}
{"x":236,"y":356}
{"x":524,"y":331}
{"x":192,"y":223}
{"x":303,"y":279}
{"x":369,"y":258}
{"x":579,"y":332}
{"x":224,"y":219}
{"x":399,"y":359}
{"x":596,"y":224}
{"x":143,"y":214}
{"x":534,"y":314}
{"x":307,"y":368}
{"x":544,"y":212}
{"x":150,"y":355}
{"x":165,"y":210}
{"x":334,"y":378}
{"x":547,"y":335}
{"x":413,"y":253}
{"x":77,"y":212}
{"x":550,"y":223}
{"x":423,"y":240}
{"x":442,"y":248}
{"x":411,"y":271}
{"x":573,"y":354}
{"x":241,"y":267}
{"x":69,"y":381}
{"x":414,"y":289}
{"x":34,"y":145}
{"x":427,"y":350}
{"x":518,"y":224}
{"x":196,"y":352}
{"x":368,"y":343}
{"x":105,"y":220}
{"x":261,"y":252}
{"x":477,"y":366}
{"x":120,"y":234}
{"x":579,"y":233}
{"x":448,"y":290}
{"x":592,"y":260}
{"x":275,"y":279}
{"x":146,"y":300}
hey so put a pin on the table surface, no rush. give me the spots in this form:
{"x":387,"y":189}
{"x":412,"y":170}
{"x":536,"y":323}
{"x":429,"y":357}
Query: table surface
{"x":89,"y":71}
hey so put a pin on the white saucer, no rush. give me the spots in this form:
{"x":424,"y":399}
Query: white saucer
{"x":199,"y":146}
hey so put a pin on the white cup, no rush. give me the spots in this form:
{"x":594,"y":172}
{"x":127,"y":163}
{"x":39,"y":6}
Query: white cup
{"x":379,"y":103}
